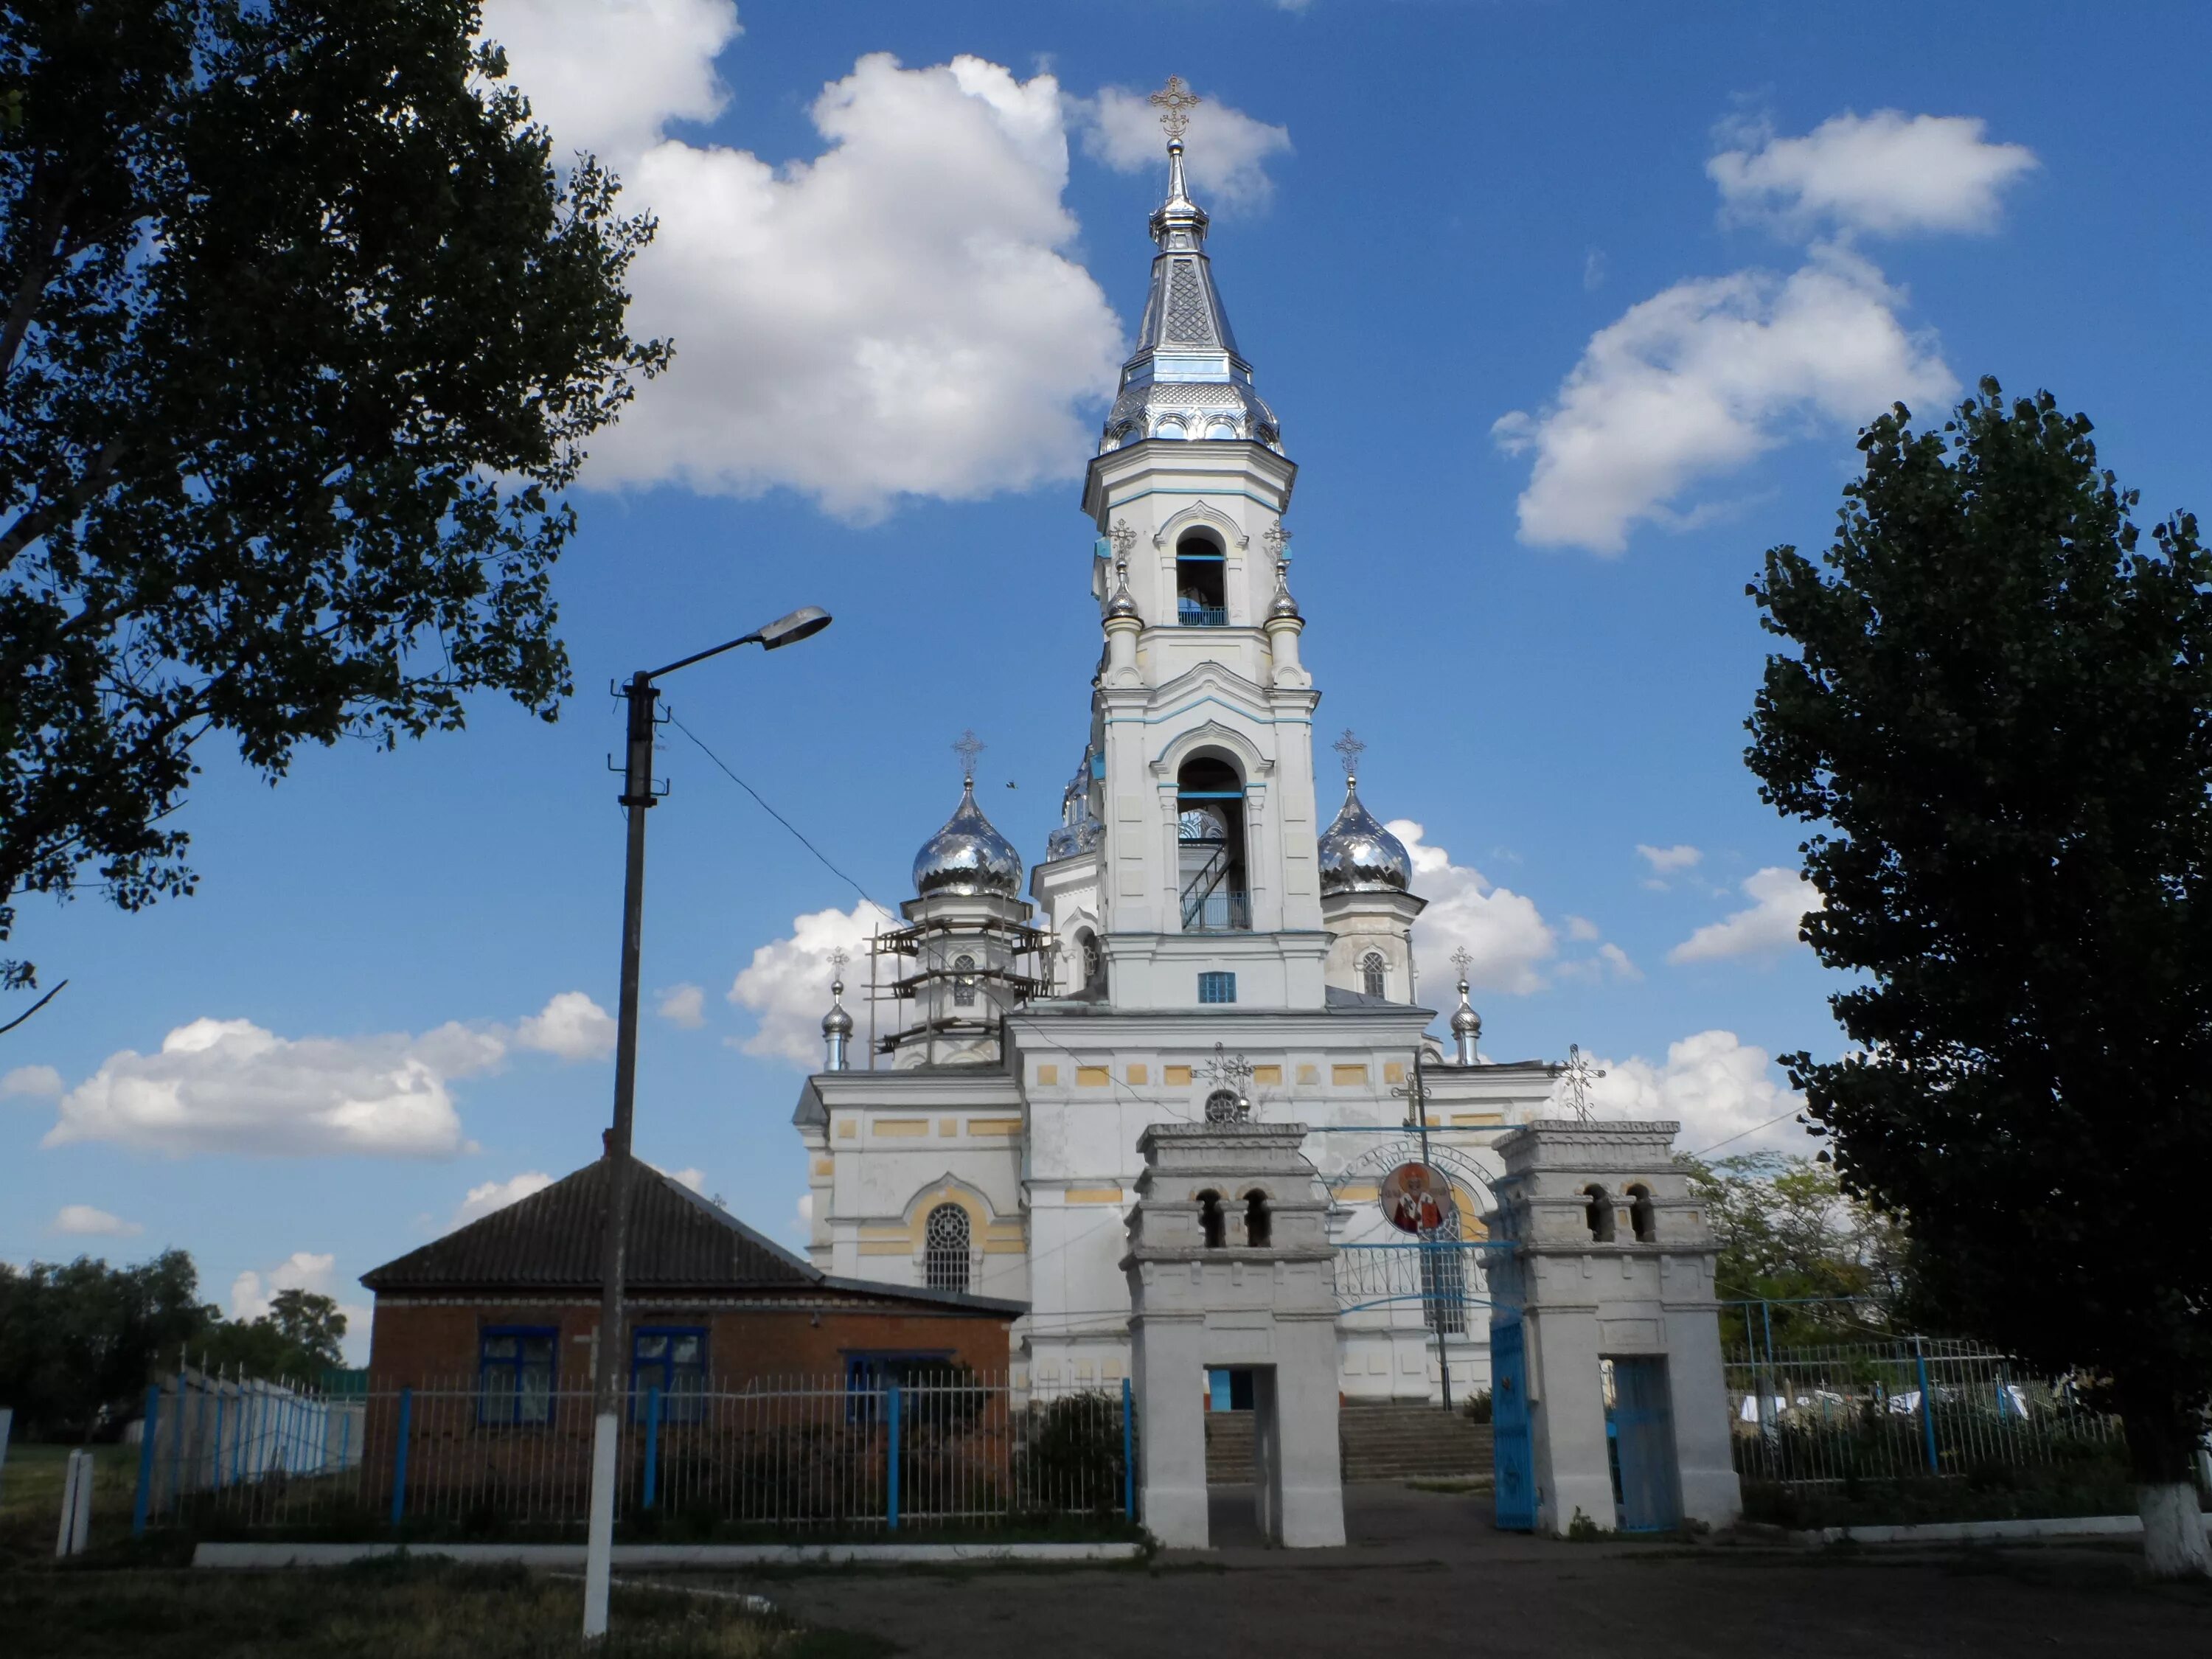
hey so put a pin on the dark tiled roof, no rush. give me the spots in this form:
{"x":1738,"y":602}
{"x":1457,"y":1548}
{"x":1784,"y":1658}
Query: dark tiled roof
{"x":677,"y":1240}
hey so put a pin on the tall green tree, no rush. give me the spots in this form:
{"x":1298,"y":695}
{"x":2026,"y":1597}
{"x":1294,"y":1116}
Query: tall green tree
{"x":302,"y":334}
{"x":1825,"y":1262}
{"x":78,"y":1340}
{"x":1997,"y":712}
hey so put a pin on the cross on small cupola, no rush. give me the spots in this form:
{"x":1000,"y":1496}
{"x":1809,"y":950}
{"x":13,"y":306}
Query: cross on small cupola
{"x":1174,"y":102}
{"x":967,"y":749}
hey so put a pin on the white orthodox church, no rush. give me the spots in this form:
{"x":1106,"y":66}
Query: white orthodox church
{"x":1198,"y":942}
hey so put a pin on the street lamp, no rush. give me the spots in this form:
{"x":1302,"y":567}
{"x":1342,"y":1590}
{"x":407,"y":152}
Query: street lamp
{"x":643,"y":696}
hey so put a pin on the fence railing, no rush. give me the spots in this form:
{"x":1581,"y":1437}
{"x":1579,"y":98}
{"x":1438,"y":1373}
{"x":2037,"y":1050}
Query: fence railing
{"x":1899,"y":1408}
{"x":955,"y":1451}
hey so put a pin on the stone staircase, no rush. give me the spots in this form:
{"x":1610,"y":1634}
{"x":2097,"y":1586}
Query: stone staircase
{"x":1380,"y":1441}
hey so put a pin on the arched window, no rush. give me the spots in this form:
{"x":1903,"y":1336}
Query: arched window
{"x":1210,"y":1219}
{"x":1223,"y":1106}
{"x":1443,"y":1278}
{"x":1201,"y":581}
{"x":1094,"y":962}
{"x":1372,"y":974}
{"x":963,"y":984}
{"x":1258,"y":1225}
{"x":1599,"y":1214}
{"x":944,"y":1249}
{"x":1210,"y":837}
{"x":1643,"y":1216}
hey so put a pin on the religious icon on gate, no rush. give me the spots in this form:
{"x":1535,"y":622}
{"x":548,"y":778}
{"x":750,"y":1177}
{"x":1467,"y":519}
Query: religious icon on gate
{"x":1416,"y":1198}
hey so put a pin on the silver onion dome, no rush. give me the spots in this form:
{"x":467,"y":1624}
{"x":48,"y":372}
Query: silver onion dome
{"x":837,"y":1022}
{"x":968,"y":856}
{"x":1464,"y":1022}
{"x":1358,"y":856}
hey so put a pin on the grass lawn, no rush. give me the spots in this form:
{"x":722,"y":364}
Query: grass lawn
{"x":386,"y":1609}
{"x":31,"y":1497}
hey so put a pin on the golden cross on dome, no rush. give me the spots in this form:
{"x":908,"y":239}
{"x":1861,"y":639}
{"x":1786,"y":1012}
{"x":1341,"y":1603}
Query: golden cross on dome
{"x":1351,"y":748}
{"x":1176,"y":101}
{"x":968,"y":748}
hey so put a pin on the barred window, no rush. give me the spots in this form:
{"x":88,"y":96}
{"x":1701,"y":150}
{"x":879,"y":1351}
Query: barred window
{"x":1217,"y":987}
{"x":963,"y":983}
{"x":1371,"y":973}
{"x":944,"y":1249}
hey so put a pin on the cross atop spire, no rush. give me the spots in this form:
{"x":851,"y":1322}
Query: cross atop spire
{"x":1349,"y":748}
{"x":838,"y":958}
{"x":1176,"y":101}
{"x":968,"y":748}
{"x":1462,"y":960}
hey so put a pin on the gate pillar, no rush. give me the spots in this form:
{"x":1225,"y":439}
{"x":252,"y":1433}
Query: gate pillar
{"x":1611,"y":1260}
{"x":1230,"y":1265}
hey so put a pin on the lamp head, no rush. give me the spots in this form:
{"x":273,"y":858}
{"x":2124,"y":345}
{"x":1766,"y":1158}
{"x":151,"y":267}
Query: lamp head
{"x":802,"y":623}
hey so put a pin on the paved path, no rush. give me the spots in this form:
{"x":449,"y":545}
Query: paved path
{"x":1426,"y":1573}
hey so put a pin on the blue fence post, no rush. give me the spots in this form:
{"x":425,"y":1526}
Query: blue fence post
{"x":145,"y":1496}
{"x":652,"y":1443}
{"x":1128,"y":1448}
{"x":891,"y":1493}
{"x":399,"y":1456}
{"x":1927,"y":1406}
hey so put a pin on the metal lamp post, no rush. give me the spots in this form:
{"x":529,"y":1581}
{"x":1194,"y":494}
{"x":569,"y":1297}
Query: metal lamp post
{"x":636,"y":798}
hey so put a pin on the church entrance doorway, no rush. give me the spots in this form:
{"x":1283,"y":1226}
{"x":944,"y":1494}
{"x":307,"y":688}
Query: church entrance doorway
{"x":1244,"y":1455}
{"x":1639,"y":1429}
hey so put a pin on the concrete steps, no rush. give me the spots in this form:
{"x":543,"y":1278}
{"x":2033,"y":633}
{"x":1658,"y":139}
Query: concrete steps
{"x":1383,"y":1441}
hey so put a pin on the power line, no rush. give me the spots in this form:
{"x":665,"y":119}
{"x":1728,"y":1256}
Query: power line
{"x":1754,"y":1130}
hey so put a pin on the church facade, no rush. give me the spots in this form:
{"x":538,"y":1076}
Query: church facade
{"x":1198,"y":944}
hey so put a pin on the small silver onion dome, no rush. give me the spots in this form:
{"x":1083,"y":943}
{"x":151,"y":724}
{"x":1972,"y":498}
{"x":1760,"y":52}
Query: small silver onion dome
{"x":1283,"y":604}
{"x":1464,"y":1022}
{"x":1358,"y":856}
{"x":1121,"y":605}
{"x":968,"y":856}
{"x":837,"y":1022}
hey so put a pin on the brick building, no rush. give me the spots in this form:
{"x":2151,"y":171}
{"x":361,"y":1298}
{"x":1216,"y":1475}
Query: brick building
{"x":509,"y":1306}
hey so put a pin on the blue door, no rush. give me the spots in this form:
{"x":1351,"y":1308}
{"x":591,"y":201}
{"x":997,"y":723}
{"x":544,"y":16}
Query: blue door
{"x":1642,"y":1429}
{"x":1514,"y":1455}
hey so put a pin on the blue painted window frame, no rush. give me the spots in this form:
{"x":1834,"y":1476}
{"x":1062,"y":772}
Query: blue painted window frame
{"x":681,"y":1382}
{"x":867,"y":1371}
{"x":1217,"y":987}
{"x":505,"y":1404}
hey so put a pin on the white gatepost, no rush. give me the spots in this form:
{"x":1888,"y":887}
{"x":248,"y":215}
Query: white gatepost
{"x":77,"y":1505}
{"x":1612,"y":1261}
{"x":1229,"y":1265}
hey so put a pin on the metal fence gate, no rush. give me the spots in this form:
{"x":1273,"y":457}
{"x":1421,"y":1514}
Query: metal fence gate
{"x":1640,"y":1422}
{"x":1514,"y":1451}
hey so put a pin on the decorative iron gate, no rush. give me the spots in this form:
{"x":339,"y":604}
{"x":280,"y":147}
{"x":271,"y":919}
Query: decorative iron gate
{"x":1514,"y":1449}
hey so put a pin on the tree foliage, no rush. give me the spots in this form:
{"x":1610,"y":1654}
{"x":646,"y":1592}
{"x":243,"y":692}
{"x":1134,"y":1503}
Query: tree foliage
{"x":301,"y":334}
{"x":80,"y":1341}
{"x":1790,"y":1236}
{"x":1998,"y":712}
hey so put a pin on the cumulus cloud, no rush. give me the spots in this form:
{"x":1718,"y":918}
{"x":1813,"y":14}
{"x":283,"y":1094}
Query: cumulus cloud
{"x":229,"y":1085}
{"x":251,"y":1292}
{"x":492,"y":1195}
{"x":1670,"y":861}
{"x":606,"y":76}
{"x":694,"y":1179}
{"x":84,"y":1221}
{"x":1582,"y":929}
{"x":1888,"y":174}
{"x":1502,"y":930}
{"x":1725,"y":1091}
{"x":37,"y":1081}
{"x":684,"y":1005}
{"x":571,"y":1026}
{"x":1226,"y":151}
{"x":896,"y":315}
{"x":786,"y":984}
{"x":1704,"y":377}
{"x":1780,"y":900}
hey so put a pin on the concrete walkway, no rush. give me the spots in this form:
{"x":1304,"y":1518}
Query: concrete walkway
{"x":1431,"y":1564}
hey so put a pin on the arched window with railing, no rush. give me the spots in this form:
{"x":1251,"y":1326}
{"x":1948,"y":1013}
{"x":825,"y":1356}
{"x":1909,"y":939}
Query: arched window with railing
{"x":1201,"y":581}
{"x":944,"y":1248}
{"x":1214,"y":897}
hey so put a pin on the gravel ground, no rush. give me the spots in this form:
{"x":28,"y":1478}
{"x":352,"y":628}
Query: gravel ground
{"x":1428,"y":1569}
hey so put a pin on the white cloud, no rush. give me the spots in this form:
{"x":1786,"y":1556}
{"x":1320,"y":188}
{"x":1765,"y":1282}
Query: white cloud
{"x":492,"y":1195}
{"x":684,"y":1005}
{"x":1780,"y":900}
{"x":1670,"y":861}
{"x":694,"y":1179}
{"x":1582,"y":929}
{"x":571,"y":1026}
{"x":1617,"y":959}
{"x":803,"y":1224}
{"x":1720,"y":1088}
{"x":1702,"y":379}
{"x":1226,"y":151}
{"x":606,"y":76}
{"x":897,"y":315}
{"x":251,"y":1293}
{"x":1888,"y":173}
{"x":1503,"y":931}
{"x":787,"y":983}
{"x":228,"y":1085}
{"x":39,"y":1081}
{"x":84,"y":1221}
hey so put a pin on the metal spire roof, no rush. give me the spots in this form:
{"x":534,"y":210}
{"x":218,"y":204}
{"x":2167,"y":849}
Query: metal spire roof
{"x":1186,"y":379}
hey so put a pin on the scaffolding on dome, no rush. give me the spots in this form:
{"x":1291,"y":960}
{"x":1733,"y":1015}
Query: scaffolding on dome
{"x":935,"y":950}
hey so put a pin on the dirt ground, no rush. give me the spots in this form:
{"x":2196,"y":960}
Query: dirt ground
{"x":1426,"y":1573}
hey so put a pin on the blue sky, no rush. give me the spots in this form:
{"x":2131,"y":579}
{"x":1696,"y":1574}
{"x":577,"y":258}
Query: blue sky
{"x":1427,"y":218}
